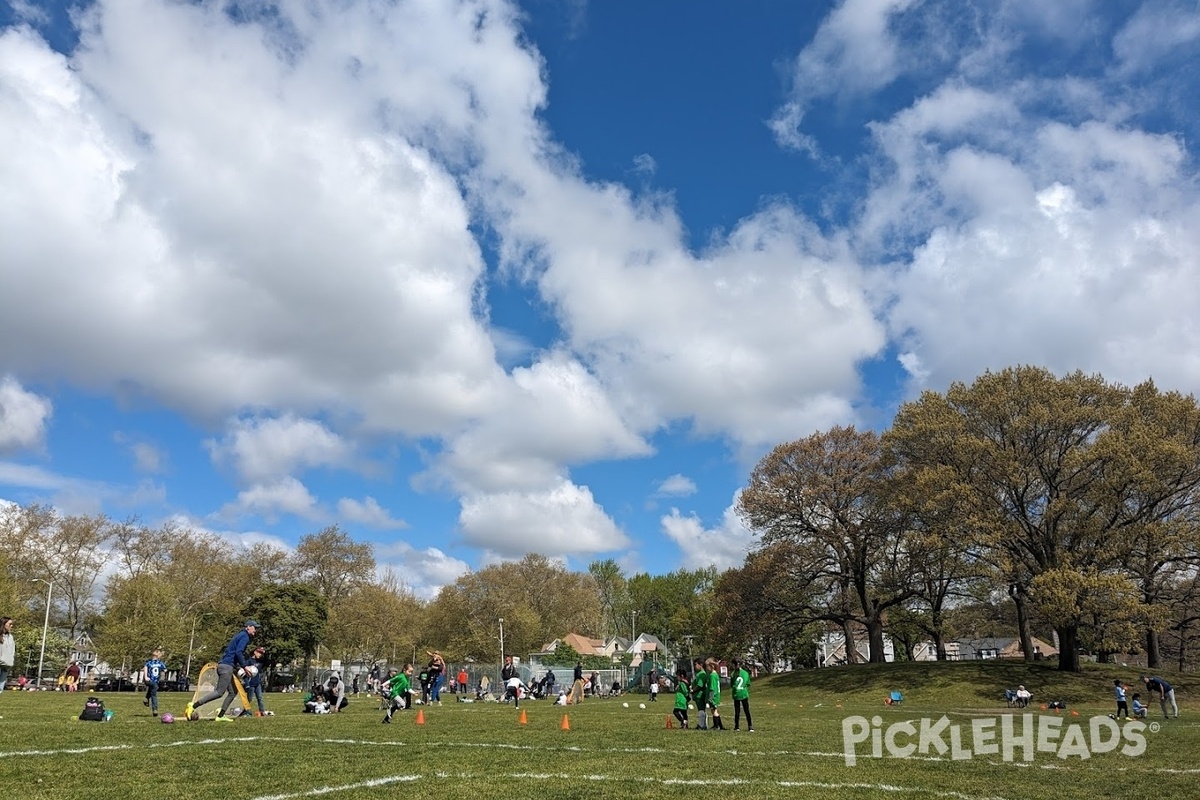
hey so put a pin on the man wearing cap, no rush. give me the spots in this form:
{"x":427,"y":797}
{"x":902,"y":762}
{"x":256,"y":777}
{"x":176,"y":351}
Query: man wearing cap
{"x":233,"y":659}
{"x":335,"y":693}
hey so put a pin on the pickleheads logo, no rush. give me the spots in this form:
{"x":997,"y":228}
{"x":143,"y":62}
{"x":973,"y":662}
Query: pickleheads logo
{"x":993,"y":736}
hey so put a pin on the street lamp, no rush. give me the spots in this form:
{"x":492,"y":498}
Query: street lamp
{"x":45,"y":627}
{"x":502,"y":642}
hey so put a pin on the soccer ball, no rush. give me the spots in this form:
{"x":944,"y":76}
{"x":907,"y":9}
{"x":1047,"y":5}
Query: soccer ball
{"x":167,"y":718}
{"x":641,"y":705}
{"x":624,"y":705}
{"x":251,"y":670}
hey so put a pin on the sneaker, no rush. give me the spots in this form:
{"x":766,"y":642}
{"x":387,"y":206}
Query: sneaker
{"x":223,"y":718}
{"x":154,"y":713}
{"x":751,"y":730}
{"x":188,"y":710}
{"x":146,"y":703}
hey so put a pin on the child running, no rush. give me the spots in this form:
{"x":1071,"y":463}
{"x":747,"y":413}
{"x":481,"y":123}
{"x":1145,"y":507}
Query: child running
{"x":155,"y":669}
{"x":397,"y":688}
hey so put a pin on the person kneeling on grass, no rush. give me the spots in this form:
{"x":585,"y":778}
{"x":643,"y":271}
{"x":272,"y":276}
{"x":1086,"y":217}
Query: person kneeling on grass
{"x":335,"y":694}
{"x":1139,"y":710}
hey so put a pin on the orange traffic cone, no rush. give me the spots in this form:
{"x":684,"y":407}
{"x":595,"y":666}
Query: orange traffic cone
{"x":670,"y":724}
{"x":421,"y":716}
{"x":524,"y":719}
{"x":566,"y":723}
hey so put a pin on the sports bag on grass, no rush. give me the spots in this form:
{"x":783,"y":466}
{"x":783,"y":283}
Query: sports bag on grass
{"x":93,"y":710}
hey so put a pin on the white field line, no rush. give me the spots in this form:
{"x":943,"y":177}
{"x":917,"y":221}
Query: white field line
{"x":563,"y":776}
{"x":560,"y":748}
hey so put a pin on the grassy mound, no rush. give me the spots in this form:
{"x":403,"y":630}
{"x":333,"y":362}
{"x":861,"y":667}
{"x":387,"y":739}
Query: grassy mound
{"x":969,"y":684}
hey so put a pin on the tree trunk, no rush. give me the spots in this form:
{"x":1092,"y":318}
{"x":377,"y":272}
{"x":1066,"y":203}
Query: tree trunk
{"x":939,"y":641}
{"x":1068,"y":648}
{"x":1018,"y":595}
{"x":1182,"y":648}
{"x":851,"y":644}
{"x":875,"y":637}
{"x":1153,"y":655}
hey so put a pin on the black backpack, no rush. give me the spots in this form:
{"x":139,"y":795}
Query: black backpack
{"x":93,"y":710}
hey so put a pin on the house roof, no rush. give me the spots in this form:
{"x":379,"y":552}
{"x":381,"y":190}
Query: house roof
{"x":582,"y":644}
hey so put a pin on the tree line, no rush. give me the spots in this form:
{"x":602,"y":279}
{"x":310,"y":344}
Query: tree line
{"x":1021,"y":503}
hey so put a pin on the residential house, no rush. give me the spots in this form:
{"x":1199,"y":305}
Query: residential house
{"x":831,"y":649}
{"x":987,"y":648}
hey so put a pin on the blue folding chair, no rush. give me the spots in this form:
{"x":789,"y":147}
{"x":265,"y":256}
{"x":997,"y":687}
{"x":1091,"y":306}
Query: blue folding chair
{"x":896,"y":697}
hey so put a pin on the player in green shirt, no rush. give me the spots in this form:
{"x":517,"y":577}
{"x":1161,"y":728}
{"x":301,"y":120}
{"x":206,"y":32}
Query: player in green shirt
{"x":741,"y":695}
{"x":397,"y":688}
{"x":714,"y":694}
{"x":700,"y":694}
{"x":683,"y":693}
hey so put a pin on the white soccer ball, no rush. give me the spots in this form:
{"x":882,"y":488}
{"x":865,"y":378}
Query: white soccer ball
{"x":624,"y":705}
{"x":641,"y":705}
{"x":251,"y":670}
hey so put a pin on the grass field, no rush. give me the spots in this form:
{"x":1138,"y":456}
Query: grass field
{"x":481,"y":751}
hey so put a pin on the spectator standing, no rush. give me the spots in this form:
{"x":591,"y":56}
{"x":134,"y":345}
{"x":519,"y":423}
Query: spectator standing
{"x":576,"y":696}
{"x":437,"y":671}
{"x":73,"y":673}
{"x":512,"y":681}
{"x":8,"y":650}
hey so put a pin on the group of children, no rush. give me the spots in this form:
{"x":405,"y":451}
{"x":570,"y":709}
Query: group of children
{"x":704,"y":690}
{"x":1139,"y":710}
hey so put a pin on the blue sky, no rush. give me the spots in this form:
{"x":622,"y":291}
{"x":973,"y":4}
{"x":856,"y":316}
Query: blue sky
{"x":473,"y":278}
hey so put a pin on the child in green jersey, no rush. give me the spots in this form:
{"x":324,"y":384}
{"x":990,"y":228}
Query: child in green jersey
{"x":700,"y":694}
{"x":397,"y":688}
{"x":741,"y":695}
{"x":683,"y":693}
{"x":714,"y":694}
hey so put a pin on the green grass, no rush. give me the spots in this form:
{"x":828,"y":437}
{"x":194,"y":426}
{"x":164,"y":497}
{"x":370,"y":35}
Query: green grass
{"x":480,"y":751}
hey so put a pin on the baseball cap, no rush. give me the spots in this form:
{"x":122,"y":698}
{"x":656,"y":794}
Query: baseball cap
{"x":252,"y":623}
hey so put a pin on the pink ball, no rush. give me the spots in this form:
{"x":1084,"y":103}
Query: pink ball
{"x":168,"y":718}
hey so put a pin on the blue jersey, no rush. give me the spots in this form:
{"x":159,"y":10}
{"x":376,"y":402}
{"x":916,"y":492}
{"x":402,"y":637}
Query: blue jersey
{"x":235,"y":652}
{"x":155,"y":669}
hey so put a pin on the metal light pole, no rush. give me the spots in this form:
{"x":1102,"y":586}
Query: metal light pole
{"x":633,"y":630}
{"x":45,"y":627}
{"x":502,"y":643}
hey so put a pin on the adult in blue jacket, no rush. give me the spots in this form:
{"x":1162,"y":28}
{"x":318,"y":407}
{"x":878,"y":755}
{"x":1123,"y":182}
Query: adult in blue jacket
{"x":233,"y":659}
